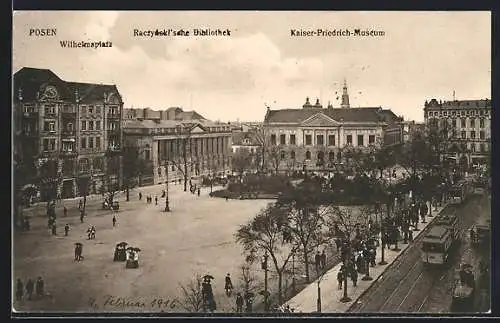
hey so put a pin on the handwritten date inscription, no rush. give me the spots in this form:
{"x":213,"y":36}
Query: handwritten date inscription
{"x":126,"y":303}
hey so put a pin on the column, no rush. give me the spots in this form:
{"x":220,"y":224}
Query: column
{"x":154,"y":157}
{"x":341,"y":137}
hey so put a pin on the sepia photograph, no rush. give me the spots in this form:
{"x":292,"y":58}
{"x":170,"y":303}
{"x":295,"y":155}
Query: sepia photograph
{"x":269,"y":163}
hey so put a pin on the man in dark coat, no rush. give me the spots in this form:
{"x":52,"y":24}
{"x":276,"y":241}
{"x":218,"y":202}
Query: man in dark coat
{"x":19,"y":290}
{"x":354,"y":277}
{"x":114,"y":220}
{"x":239,"y":303}
{"x":323,"y":260}
{"x":317,"y":261}
{"x":66,"y":229}
{"x":39,"y":287}
{"x":30,"y":286}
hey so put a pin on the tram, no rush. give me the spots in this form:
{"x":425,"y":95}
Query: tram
{"x":459,"y":192}
{"x":436,"y":245}
{"x":450,"y":222}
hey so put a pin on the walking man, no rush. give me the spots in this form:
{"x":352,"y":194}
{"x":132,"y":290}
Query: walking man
{"x":198,"y":191}
{"x":40,"y":287}
{"x":317,"y":261}
{"x":82,"y":214}
{"x":354,"y":277}
{"x":239,"y":303}
{"x":114,"y":220}
{"x":66,"y":229}
{"x":65,"y":211}
{"x":140,"y":196}
{"x":54,"y":231}
{"x":29,"y":288}
{"x":156,"y":200}
{"x":19,"y":290}
{"x":340,"y":278}
{"x":323,"y":260}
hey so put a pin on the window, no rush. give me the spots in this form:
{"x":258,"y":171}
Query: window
{"x":481,"y":123}
{"x":67,"y":146}
{"x":84,"y":125}
{"x":52,"y":144}
{"x":462,"y":124}
{"x":454,"y":123}
{"x":159,"y":171}
{"x":146,"y":155}
{"x":91,"y":125}
{"x":467,"y":112}
{"x":308,"y":140}
{"x":98,"y":110}
{"x":49,"y":126}
{"x":462,"y":113}
{"x":349,"y":139}
{"x":320,"y":140}
{"x":273,"y":139}
{"x":473,"y":148}
{"x":84,"y":110}
{"x":91,"y":109}
{"x":331,"y":140}
{"x":481,"y":112}
{"x":98,"y":125}
{"x":472,"y":123}
{"x":98,"y":164}
{"x":481,"y":134}
{"x":282,"y":139}
{"x":292,"y":155}
{"x":482,"y":148}
{"x":98,"y":142}
{"x":360,"y":140}
{"x":91,"y":142}
{"x":45,"y":145}
{"x":84,"y":165}
{"x":371,"y":139}
{"x":445,"y":113}
{"x":308,"y":155}
{"x":444,"y":123}
{"x":464,"y":135}
{"x":454,"y":113}
{"x":84,"y":143}
{"x":292,"y":140}
{"x":282,"y":154}
{"x":473,"y":135}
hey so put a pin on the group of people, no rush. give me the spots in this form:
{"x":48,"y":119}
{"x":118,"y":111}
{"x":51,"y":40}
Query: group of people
{"x":37,"y":287}
{"x":91,"y":232}
{"x":320,"y":261}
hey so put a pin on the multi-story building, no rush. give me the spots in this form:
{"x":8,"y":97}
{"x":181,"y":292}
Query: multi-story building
{"x":316,"y":137}
{"x":411,"y":128}
{"x":174,"y":147}
{"x":468,"y":125}
{"x":67,"y":134}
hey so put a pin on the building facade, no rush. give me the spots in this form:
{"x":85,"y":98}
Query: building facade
{"x":68,"y":135}
{"x":468,"y":123}
{"x":175,"y":148}
{"x":316,"y":138}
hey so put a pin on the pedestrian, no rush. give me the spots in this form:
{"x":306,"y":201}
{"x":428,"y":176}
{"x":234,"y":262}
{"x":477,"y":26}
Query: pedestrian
{"x":228,"y":285}
{"x":323,"y":260}
{"x":65,"y":211}
{"x":114,"y":220}
{"x":354,"y":277}
{"x":340,"y":278}
{"x":198,"y":191}
{"x":140,"y":196}
{"x":410,"y":236}
{"x":227,"y":198}
{"x":373,"y":255}
{"x":29,"y":288}
{"x":92,"y":232}
{"x":19,"y":290}
{"x":239,"y":303}
{"x":80,"y":204}
{"x":39,"y":287}
{"x":54,"y":231}
{"x":156,"y":200}
{"x":82,"y":214}
{"x":338,"y":244}
{"x":317,"y":261}
{"x":66,"y":229}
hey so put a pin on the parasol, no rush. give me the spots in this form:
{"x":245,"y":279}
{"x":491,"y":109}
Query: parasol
{"x":249,"y":295}
{"x":136,"y":249}
{"x":130,"y":248}
{"x":208,"y":277}
{"x":78,"y":244}
{"x":121,"y":244}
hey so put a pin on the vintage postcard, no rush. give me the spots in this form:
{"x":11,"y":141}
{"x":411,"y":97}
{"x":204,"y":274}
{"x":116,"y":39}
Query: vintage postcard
{"x":251,"y":162}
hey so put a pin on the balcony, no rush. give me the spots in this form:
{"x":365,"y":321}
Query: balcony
{"x":68,"y":133}
{"x":50,"y":115}
{"x":68,"y":153}
{"x":30,"y":114}
{"x":113,"y":150}
{"x":113,"y":132}
{"x":68,"y":115}
{"x":113,"y":116}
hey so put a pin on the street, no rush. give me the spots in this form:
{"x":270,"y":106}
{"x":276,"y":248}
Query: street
{"x":197,"y":237}
{"x":408,"y":286}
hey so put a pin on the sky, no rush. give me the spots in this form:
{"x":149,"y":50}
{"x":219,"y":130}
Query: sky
{"x":422,"y":55}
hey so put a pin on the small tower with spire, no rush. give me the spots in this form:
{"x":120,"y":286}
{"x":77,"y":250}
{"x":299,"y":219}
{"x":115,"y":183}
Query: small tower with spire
{"x":345,"y":96}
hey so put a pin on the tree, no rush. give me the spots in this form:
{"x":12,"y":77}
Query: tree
{"x":183,"y":162}
{"x":133,"y":166}
{"x":274,"y":155}
{"x":263,"y":234}
{"x":306,"y":219}
{"x":192,"y":300}
{"x":260,"y":136}
{"x":241,"y":161}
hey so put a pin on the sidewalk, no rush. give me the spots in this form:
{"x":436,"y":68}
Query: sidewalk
{"x":306,"y":300}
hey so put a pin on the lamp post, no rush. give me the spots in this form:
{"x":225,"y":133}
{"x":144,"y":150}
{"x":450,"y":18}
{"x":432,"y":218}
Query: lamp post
{"x":318,"y":300}
{"x":167,"y":203}
{"x":265,"y":267}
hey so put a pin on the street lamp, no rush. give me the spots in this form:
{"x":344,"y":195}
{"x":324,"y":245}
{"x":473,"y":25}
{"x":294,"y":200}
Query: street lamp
{"x":167,"y":203}
{"x":318,"y":301}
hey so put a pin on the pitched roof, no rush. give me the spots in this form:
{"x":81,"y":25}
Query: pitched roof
{"x":188,"y":115}
{"x":369,"y":114}
{"x":30,"y":80}
{"x":459,"y":103}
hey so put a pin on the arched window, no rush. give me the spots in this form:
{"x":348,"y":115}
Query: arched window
{"x":282,"y":154}
{"x":292,"y":154}
{"x":331,"y":156}
{"x":98,"y":164}
{"x":320,"y":156}
{"x":308,"y":155}
{"x":69,"y":127}
{"x":339,"y":156}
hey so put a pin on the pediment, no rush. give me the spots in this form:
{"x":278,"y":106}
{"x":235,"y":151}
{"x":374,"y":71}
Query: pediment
{"x":319,"y":120}
{"x":197,"y":129}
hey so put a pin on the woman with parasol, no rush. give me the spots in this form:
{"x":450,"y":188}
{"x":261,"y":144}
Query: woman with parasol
{"x":207,"y":293}
{"x":132,"y":257}
{"x":120,"y":253}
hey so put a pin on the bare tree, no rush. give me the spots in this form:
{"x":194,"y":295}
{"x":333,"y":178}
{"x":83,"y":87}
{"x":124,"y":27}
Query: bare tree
{"x":263,"y":234}
{"x":241,"y":161}
{"x":133,"y":165}
{"x":192,"y":296}
{"x":274,"y":155}
{"x":263,"y":142}
{"x":183,"y":162}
